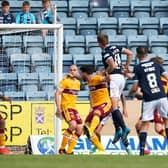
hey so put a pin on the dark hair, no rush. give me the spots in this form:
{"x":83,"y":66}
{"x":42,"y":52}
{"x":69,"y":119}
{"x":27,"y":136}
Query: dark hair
{"x":44,"y":1}
{"x":89,"y":69}
{"x":141,"y":51}
{"x":5,"y":3}
{"x":26,"y":3}
{"x":102,"y":39}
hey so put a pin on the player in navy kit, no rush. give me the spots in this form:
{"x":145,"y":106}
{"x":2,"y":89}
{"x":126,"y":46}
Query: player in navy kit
{"x":148,"y":78}
{"x":111,"y":58}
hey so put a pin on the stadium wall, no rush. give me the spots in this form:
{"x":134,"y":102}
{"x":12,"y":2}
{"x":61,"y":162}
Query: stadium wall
{"x":36,"y":118}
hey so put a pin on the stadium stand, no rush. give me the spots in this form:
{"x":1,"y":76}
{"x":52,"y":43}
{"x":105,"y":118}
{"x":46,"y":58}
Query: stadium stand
{"x":128,"y":23}
{"x":140,"y":8}
{"x":149,"y":26}
{"x":20,"y":62}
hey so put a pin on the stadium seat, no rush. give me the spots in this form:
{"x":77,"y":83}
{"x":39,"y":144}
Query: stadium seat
{"x":78,"y":9}
{"x":151,"y":55}
{"x":98,"y":62}
{"x":28,"y":81}
{"x":87,"y":26}
{"x":62,"y":15}
{"x":85,"y":59}
{"x":69,"y":26}
{"x":33,"y":41}
{"x":8,"y":82}
{"x":41,"y":62}
{"x":92,"y":45}
{"x":36,"y":96}
{"x":34,"y":6}
{"x":118,"y":40}
{"x":13,"y":50}
{"x":20,"y":63}
{"x":135,"y":41}
{"x":12,"y":41}
{"x":140,"y":8}
{"x":15,"y":96}
{"x":14,"y":5}
{"x":47,"y":81}
{"x":62,"y":6}
{"x":67,"y":61}
{"x":106,"y":25}
{"x":34,"y":50}
{"x":4,"y":62}
{"x":49,"y":41}
{"x":119,"y":8}
{"x":83,"y":95}
{"x":128,"y":26}
{"x":158,"y":44}
{"x":159,"y":8}
{"x":50,"y":96}
{"x":74,"y":44}
{"x":164,"y":25}
{"x":99,"y":9}
{"x":149,"y":26}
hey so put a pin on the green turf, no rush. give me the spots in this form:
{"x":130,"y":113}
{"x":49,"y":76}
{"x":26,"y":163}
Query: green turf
{"x":82,"y":161}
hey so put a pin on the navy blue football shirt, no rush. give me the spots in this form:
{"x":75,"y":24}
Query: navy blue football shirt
{"x":148,"y":74}
{"x":115,"y":53}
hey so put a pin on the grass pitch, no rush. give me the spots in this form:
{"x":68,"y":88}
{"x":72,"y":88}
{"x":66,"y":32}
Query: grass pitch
{"x":82,"y":161}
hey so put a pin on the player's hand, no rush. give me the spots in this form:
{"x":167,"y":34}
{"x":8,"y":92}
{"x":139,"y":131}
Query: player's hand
{"x":59,"y":113}
{"x":8,"y":99}
{"x":125,"y":113}
{"x":70,"y":75}
{"x":108,"y":78}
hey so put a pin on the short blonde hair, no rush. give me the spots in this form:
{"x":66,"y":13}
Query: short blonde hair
{"x":102,"y":39}
{"x":158,"y":60}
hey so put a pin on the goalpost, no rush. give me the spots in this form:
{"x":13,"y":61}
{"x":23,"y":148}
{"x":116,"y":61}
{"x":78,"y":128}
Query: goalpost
{"x":57,"y":36}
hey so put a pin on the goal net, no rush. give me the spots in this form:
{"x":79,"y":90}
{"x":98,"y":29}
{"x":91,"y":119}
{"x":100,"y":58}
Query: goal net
{"x":30,"y":68}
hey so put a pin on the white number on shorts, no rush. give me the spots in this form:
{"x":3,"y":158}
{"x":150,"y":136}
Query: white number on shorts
{"x":152,"y":80}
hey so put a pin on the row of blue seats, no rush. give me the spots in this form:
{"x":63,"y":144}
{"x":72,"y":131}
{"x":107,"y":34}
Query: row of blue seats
{"x":116,"y":8}
{"x":112,"y":25}
{"x":27,"y":81}
{"x":40,"y":95}
{"x":19,"y":62}
{"x":88,"y":44}
{"x":25,"y":40}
